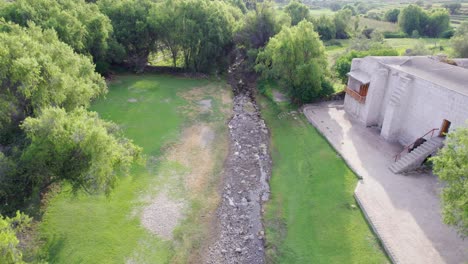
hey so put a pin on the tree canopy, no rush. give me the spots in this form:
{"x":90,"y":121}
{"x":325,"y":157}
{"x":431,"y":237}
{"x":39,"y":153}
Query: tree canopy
{"x":296,"y":58}
{"x":414,"y":21}
{"x":297,"y":11}
{"x":46,"y":87}
{"x":38,"y":70}
{"x":392,"y":15}
{"x":77,"y":23}
{"x":76,"y":147}
{"x":451,"y":165}
{"x":132,"y":30}
{"x":460,"y":41}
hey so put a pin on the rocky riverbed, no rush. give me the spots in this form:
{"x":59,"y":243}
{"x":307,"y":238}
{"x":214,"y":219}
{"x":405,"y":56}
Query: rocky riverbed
{"x":239,"y":235}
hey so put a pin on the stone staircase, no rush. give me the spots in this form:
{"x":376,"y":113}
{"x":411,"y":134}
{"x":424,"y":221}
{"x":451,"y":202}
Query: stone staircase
{"x":395,"y":98}
{"x":415,"y":158}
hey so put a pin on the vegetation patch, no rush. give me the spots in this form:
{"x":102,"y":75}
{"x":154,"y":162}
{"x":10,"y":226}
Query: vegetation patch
{"x":100,"y":229}
{"x":312,"y":216}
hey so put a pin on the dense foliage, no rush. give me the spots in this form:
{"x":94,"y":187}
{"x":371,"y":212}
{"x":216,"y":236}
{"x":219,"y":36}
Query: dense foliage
{"x":343,"y":63}
{"x":296,"y":58}
{"x":392,"y":15}
{"x":451,"y":165}
{"x":77,"y":23}
{"x":135,"y":36}
{"x":9,"y":243}
{"x":297,"y":11}
{"x":39,"y":72}
{"x":76,"y":147}
{"x":460,"y":41}
{"x":414,"y":21}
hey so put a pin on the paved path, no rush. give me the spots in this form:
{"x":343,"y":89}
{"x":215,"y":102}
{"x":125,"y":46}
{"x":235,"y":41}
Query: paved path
{"x":403,"y":210}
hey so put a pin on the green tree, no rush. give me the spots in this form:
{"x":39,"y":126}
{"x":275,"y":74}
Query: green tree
{"x":297,"y":11}
{"x":10,"y":253}
{"x":392,"y":15}
{"x":77,"y":23}
{"x":451,"y":165}
{"x":343,"y":63}
{"x":260,"y":25}
{"x":437,"y":22}
{"x":132,"y":30}
{"x":38,"y":70}
{"x":412,"y":18}
{"x":296,"y":58}
{"x":325,"y":27}
{"x":460,"y":41}
{"x":453,"y":7}
{"x":76,"y":147}
{"x":342,"y":22}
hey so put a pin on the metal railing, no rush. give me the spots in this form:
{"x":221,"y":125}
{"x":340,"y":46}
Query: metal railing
{"x":358,"y":97}
{"x":408,"y":147}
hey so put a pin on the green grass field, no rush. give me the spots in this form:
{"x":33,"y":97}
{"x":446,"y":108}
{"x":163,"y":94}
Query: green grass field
{"x":99,"y":229}
{"x":312,"y":215}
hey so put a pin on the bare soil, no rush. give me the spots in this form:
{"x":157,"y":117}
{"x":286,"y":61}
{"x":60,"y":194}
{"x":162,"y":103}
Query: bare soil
{"x":238,"y":230}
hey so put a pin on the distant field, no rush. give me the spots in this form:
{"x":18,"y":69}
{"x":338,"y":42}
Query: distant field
{"x":382,"y":26}
{"x":319,"y":12}
{"x":435,"y":45}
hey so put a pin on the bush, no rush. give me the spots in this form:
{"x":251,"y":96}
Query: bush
{"x":296,"y":58}
{"x":343,"y":63}
{"x":448,"y":34}
{"x":398,"y":34}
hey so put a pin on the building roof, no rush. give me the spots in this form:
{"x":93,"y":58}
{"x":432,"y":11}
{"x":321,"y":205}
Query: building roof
{"x":449,"y":76}
{"x":361,"y":76}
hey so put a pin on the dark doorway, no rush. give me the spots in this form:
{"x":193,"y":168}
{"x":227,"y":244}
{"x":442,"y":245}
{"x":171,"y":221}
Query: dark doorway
{"x":444,"y":129}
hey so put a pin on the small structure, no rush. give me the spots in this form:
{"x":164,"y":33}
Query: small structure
{"x":412,"y":100}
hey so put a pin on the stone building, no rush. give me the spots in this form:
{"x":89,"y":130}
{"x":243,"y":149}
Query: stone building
{"x":409,"y":98}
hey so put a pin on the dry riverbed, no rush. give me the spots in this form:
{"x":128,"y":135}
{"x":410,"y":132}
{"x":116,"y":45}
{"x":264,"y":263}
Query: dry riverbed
{"x":238,"y":235}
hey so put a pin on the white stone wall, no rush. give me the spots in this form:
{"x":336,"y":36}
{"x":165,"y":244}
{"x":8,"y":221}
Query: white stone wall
{"x":427,"y":107}
{"x":422,"y":106}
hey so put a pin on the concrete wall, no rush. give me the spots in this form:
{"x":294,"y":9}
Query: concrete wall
{"x":427,"y":107}
{"x":404,"y":107}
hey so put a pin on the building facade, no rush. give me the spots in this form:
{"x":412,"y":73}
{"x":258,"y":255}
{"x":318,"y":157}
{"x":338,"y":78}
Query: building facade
{"x":408,"y":97}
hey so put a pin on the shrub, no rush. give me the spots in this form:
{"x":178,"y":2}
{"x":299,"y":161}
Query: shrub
{"x":343,"y":64}
{"x":398,"y":34}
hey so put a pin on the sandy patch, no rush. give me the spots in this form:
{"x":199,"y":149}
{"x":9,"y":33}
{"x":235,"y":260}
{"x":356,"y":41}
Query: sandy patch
{"x":195,"y":152}
{"x":162,"y":215}
{"x":279,"y":97}
{"x":205,"y":105}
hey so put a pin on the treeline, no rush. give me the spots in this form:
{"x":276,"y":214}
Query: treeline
{"x":127,"y":31}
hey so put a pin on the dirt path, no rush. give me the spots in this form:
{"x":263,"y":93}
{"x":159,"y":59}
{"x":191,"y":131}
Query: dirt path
{"x":239,"y":235}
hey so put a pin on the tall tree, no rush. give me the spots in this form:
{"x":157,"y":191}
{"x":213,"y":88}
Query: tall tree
{"x":296,"y":58}
{"x":205,"y":31}
{"x":297,"y":11}
{"x":438,"y":21}
{"x":38,"y":70}
{"x":460,"y":41}
{"x":77,"y":23}
{"x":132,"y":30}
{"x":451,"y":165}
{"x":76,"y":147}
{"x":412,"y":18}
{"x":392,"y":15}
{"x":342,"y":21}
{"x":260,"y":25}
{"x":325,"y":27}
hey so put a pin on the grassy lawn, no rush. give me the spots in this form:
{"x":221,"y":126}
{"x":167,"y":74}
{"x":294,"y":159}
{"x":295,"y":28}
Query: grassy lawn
{"x":99,"y":229}
{"x":436,"y":45}
{"x":382,"y":26}
{"x":312,"y":216}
